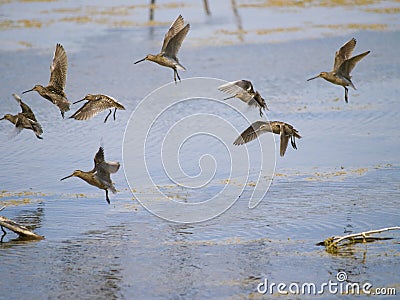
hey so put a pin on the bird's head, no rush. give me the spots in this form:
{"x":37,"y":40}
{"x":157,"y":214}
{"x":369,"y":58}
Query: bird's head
{"x":88,"y":97}
{"x":76,"y":173}
{"x":37,"y":88}
{"x":148,"y":57}
{"x":322,"y":75}
{"x":7,"y":117}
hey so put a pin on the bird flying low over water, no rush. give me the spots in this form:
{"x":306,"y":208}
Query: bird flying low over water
{"x":25,"y":119}
{"x":284,"y":130}
{"x":343,"y":66}
{"x":243,"y":90}
{"x":172,"y":43}
{"x":99,"y":176}
{"x":54,"y":91}
{"x":96,"y":104}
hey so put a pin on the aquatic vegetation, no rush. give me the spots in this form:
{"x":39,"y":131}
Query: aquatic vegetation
{"x":306,"y":3}
{"x":337,"y":175}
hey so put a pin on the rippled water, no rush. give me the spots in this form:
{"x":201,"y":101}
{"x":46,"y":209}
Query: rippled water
{"x":343,"y":178}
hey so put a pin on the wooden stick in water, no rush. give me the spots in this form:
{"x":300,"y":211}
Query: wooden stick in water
{"x":333,"y":242}
{"x":22,"y":231}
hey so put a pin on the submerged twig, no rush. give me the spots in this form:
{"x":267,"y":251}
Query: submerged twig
{"x":331,"y":244}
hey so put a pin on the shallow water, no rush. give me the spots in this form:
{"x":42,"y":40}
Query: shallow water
{"x":343,"y":178}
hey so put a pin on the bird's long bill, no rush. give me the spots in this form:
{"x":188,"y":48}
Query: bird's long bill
{"x":27,"y":91}
{"x":229,"y":97}
{"x":140,"y":61}
{"x":313,"y":78}
{"x":78,"y":101}
{"x":66,"y":177}
{"x":2,"y":118}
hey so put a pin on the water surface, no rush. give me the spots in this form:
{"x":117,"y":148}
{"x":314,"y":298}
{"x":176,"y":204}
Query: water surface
{"x":343,"y":178}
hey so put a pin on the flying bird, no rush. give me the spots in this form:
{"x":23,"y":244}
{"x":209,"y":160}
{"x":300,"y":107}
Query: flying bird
{"x":54,"y":91}
{"x":243,"y":90}
{"x":25,"y":119}
{"x":96,"y":104}
{"x":99,"y":176}
{"x":172,"y":43}
{"x":284,"y":130}
{"x":342,"y":67}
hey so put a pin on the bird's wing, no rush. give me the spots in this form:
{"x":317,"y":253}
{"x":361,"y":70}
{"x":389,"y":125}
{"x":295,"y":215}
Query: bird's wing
{"x":258,"y":101}
{"x":26,"y":110}
{"x":99,"y":157}
{"x":24,"y":122}
{"x":58,"y":69}
{"x":90,"y":109}
{"x":344,"y":53}
{"x":104,"y":177}
{"x":252,"y":132}
{"x":348,"y":65}
{"x":253,"y":102}
{"x":110,"y":166}
{"x":175,"y":43}
{"x":173,"y":30}
{"x":37,"y":128}
{"x":17,"y":130}
{"x":62,"y":103}
{"x":246,"y":85}
{"x":284,"y":139}
{"x":103,"y":171}
{"x":241,"y":89}
{"x":104,"y":166}
{"x":233,"y":85}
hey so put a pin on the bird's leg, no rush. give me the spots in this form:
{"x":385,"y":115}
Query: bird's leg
{"x":105,"y":120}
{"x":176,"y":74}
{"x":39,"y":137}
{"x":293,"y":142}
{"x":4,"y":234}
{"x":115,"y":110}
{"x":346,"y":91}
{"x":107,"y":199}
{"x":261,"y":113}
{"x":62,"y":114}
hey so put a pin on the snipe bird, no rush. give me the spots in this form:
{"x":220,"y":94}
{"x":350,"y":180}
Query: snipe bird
{"x":172,"y":43}
{"x":54,"y":91}
{"x":99,"y":176}
{"x":284,"y":130}
{"x":25,"y":119}
{"x":243,"y":90}
{"x":96,"y":104}
{"x":342,"y":67}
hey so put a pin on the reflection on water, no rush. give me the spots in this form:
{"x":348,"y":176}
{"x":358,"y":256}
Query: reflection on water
{"x":343,"y":178}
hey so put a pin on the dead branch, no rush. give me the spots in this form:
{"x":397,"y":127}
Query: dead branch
{"x":331,"y":243}
{"x":22,"y":231}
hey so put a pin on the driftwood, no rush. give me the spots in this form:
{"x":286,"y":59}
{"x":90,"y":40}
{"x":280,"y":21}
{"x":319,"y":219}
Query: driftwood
{"x":22,"y":231}
{"x":331,"y":244}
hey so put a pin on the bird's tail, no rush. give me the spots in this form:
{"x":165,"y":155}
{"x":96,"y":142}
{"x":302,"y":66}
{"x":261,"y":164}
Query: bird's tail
{"x":113,"y":189}
{"x":352,"y":85}
{"x":180,"y":67}
{"x":37,"y":128}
